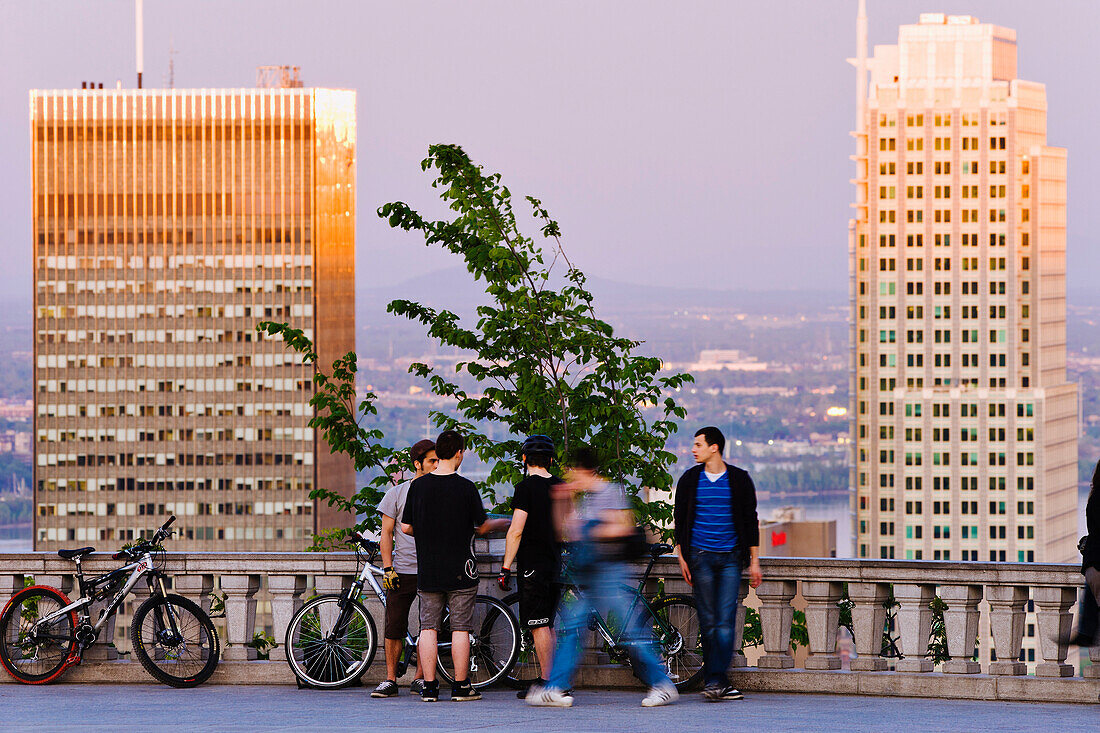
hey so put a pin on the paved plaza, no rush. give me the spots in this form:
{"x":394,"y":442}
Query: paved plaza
{"x":275,"y":708}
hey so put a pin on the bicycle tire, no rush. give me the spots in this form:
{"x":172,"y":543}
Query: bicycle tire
{"x":198,"y":647}
{"x":321,"y":662}
{"x":28,"y":602}
{"x":681,"y":654}
{"x":493,"y":648}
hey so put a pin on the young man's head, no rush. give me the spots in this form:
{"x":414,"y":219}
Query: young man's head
{"x":586,"y":460}
{"x":538,"y":452}
{"x":709,"y":442}
{"x":449,"y":447}
{"x":424,"y":458}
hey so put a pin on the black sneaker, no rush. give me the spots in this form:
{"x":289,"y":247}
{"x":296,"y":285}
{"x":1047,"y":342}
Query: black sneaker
{"x":729,"y":692}
{"x":430,"y":692}
{"x":522,"y":694}
{"x":464,"y":692}
{"x":713,"y":693}
{"x":387,"y":688}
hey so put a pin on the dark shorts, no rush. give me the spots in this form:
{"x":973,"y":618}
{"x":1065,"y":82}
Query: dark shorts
{"x":459,"y":602}
{"x":398,"y":602}
{"x":539,"y":594}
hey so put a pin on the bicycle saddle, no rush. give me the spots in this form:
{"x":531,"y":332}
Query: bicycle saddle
{"x":79,"y":552}
{"x":660,"y":549}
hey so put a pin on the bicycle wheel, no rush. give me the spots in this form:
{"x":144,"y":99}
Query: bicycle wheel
{"x":34,"y":653}
{"x":679,"y":639}
{"x":185,"y":657}
{"x":494,"y":643}
{"x":331,"y":642}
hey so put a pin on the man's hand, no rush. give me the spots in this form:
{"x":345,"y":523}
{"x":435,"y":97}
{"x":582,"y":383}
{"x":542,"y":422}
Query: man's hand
{"x":504,"y":580}
{"x":684,"y":570}
{"x":755,"y":576}
{"x":390,"y":579}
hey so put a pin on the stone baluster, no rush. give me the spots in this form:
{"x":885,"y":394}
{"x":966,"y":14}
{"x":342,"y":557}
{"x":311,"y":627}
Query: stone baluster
{"x":1053,"y":612}
{"x":330,"y":583}
{"x":240,"y":615}
{"x":822,"y":621}
{"x":914,"y":617}
{"x":195,"y":586}
{"x":286,"y":598}
{"x":10,"y":584}
{"x":868,"y":622}
{"x":961,"y":622}
{"x":738,"y":659}
{"x":1007,"y":612}
{"x":776,"y":614}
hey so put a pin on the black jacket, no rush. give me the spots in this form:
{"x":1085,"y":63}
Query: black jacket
{"x":742,"y":503}
{"x":1090,"y":555}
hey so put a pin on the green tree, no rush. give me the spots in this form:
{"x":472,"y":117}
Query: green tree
{"x":541,"y":359}
{"x":339,"y":420}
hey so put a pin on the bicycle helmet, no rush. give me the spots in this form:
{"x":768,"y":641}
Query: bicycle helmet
{"x":538,"y":444}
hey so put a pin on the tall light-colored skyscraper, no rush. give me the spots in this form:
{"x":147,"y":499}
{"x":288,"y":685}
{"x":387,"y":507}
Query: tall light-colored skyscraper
{"x":964,"y":427}
{"x":167,"y":224}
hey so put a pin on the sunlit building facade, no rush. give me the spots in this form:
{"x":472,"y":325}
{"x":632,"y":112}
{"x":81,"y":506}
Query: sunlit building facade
{"x":964,"y":425}
{"x":167,"y":225}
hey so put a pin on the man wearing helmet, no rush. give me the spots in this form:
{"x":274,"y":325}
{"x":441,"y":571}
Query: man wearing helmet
{"x":532,"y":542}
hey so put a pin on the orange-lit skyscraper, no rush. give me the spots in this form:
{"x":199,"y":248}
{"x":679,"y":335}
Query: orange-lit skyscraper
{"x":167,"y":224}
{"x":964,"y":426}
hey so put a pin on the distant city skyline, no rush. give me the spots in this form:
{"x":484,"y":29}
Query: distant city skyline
{"x":707,"y":141}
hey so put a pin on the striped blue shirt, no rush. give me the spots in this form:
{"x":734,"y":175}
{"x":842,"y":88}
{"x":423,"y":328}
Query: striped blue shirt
{"x":714,"y":529}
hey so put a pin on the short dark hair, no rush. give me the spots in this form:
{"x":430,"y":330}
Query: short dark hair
{"x":585,"y":458}
{"x":538,"y":460}
{"x":448,"y":444}
{"x":713,"y":436}
{"x":420,"y":449}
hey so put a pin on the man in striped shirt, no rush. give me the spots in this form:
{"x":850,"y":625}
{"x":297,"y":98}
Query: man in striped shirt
{"x":717,"y":536}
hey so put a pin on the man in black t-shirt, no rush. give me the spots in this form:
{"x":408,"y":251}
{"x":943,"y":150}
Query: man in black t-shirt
{"x":532,"y":542}
{"x":442,"y":512}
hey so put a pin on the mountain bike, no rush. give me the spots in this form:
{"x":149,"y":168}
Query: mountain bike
{"x":332,"y":640}
{"x":43,"y":633}
{"x":673,"y":619}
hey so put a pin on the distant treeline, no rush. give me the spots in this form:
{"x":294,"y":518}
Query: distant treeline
{"x":810,"y":475}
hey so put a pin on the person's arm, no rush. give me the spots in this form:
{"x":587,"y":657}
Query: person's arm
{"x":407,"y":529}
{"x":616,"y":523}
{"x":511,"y":540}
{"x":490,"y":525}
{"x":385,"y":541}
{"x":756,"y":577}
{"x":684,"y":570}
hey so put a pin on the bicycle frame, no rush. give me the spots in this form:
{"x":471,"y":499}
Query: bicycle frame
{"x":138,"y":569}
{"x":614,"y":640}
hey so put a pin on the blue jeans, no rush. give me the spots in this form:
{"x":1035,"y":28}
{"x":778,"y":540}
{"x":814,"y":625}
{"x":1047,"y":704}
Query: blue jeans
{"x":716,"y":579}
{"x":601,"y":589}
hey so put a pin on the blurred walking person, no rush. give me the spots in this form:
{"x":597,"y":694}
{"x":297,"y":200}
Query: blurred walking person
{"x":595,"y":517}
{"x":717,"y":536}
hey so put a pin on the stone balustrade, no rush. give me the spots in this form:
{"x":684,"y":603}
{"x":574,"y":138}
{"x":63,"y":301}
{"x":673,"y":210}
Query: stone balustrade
{"x":263,"y":590}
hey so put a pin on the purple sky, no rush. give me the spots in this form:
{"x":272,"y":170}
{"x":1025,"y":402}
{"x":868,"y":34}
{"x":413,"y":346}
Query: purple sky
{"x":681,"y":142}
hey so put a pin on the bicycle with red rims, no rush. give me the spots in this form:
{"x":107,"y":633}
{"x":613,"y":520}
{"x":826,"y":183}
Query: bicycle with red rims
{"x":43,"y":633}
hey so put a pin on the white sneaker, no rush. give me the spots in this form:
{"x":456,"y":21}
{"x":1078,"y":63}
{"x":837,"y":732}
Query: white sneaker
{"x":548,"y":697}
{"x":662,"y":694}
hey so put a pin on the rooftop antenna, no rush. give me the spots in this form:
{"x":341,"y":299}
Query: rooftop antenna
{"x":139,"y":29}
{"x":170,"y":80}
{"x":861,"y":66}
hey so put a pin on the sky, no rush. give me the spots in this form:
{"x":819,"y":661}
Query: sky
{"x":701,"y":144}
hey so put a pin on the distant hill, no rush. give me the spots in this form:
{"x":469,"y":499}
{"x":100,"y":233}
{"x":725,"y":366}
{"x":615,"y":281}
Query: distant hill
{"x":455,"y":290}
